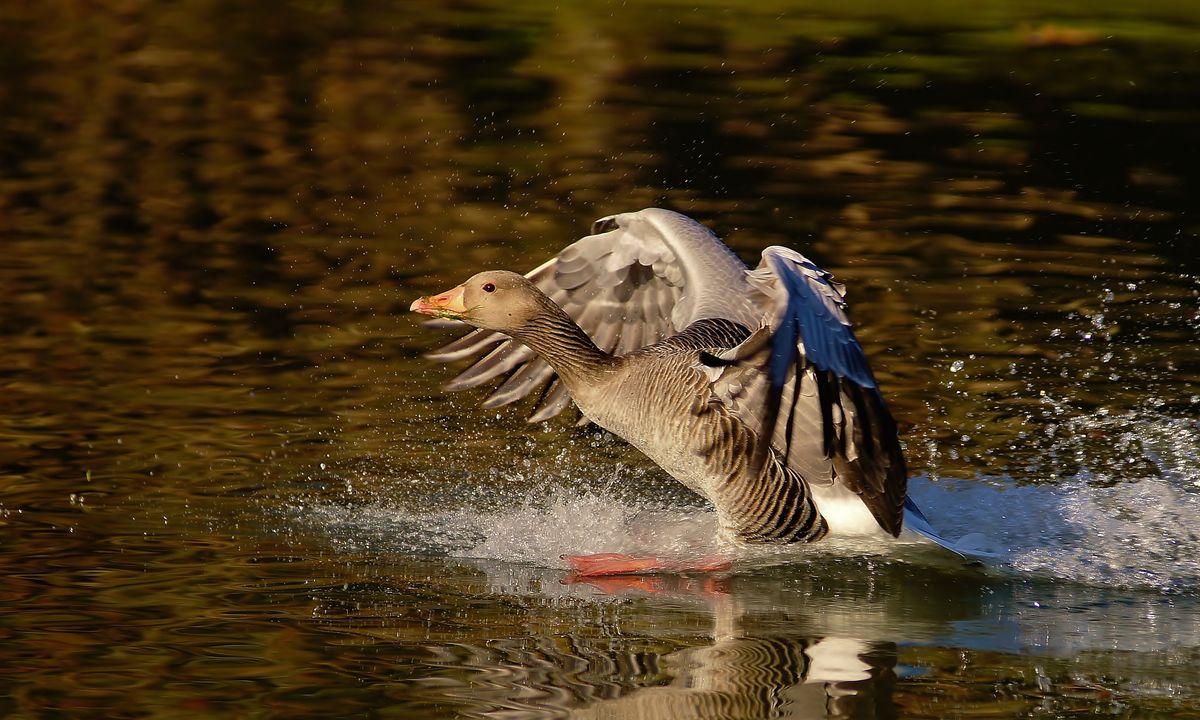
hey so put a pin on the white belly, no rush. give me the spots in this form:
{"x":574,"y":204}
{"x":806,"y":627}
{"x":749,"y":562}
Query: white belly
{"x":845,"y":513}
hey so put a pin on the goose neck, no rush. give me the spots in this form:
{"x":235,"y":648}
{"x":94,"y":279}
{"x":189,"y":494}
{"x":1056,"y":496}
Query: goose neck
{"x":565,"y":347}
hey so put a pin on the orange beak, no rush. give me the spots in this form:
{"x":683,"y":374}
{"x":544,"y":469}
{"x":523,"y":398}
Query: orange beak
{"x":447,"y":305}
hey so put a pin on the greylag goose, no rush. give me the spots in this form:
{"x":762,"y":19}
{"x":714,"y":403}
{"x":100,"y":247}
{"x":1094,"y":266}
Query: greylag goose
{"x":747,"y":386}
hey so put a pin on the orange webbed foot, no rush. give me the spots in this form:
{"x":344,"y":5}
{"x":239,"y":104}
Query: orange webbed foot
{"x":603,"y":564}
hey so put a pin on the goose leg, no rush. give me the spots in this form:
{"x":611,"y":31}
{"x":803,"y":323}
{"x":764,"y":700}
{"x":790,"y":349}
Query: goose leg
{"x":603,"y":564}
{"x":619,"y":584}
{"x":707,"y":586}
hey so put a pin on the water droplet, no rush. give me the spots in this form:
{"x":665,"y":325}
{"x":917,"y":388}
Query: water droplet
{"x":956,"y":366}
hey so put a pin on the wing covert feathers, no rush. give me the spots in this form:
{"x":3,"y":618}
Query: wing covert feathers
{"x":637,"y":279}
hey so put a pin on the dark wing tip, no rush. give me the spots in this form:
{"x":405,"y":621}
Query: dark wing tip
{"x":604,"y":224}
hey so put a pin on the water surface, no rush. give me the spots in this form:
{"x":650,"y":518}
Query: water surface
{"x":230,"y":484}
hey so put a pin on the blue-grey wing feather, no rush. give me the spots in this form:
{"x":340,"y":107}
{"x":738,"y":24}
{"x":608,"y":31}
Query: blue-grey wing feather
{"x":802,"y":379}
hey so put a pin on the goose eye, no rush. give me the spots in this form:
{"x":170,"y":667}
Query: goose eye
{"x":489,"y":287}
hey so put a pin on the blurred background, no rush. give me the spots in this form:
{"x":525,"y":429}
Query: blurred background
{"x":216,"y":427}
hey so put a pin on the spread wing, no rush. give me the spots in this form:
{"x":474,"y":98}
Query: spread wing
{"x":803,"y":379}
{"x":638,"y":278}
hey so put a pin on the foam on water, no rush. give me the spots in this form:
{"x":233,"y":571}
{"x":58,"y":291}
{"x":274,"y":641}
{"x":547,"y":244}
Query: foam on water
{"x":1090,"y":528}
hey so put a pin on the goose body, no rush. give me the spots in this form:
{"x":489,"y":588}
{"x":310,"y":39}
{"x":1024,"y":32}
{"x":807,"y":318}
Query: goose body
{"x":698,"y":441}
{"x":747,"y":386}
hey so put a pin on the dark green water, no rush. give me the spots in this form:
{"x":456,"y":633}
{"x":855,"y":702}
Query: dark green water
{"x":229,"y":484}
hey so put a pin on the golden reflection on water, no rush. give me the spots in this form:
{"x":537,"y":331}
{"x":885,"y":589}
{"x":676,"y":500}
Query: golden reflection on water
{"x":213,"y":216}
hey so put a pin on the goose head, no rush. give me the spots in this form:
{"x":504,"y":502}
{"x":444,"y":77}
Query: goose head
{"x":494,"y":300}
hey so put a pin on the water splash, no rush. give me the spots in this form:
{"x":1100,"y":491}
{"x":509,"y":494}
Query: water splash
{"x":1102,"y":525}
{"x":1095,"y":527}
{"x":534,"y":527}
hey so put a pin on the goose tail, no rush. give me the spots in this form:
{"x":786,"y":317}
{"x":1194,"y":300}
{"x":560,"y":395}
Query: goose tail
{"x":971,"y":547}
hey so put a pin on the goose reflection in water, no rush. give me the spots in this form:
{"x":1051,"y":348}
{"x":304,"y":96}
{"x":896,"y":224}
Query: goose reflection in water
{"x":841,"y":637}
{"x":767,"y":654}
{"x":744,"y":676}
